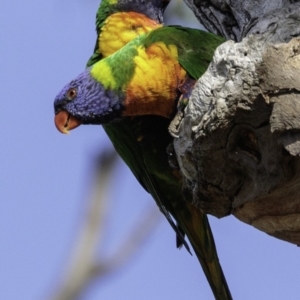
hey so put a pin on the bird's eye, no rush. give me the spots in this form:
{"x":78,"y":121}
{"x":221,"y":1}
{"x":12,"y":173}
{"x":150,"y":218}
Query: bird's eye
{"x":71,"y":94}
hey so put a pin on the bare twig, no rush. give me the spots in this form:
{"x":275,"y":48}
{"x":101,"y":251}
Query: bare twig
{"x":84,"y":264}
{"x":131,"y":244}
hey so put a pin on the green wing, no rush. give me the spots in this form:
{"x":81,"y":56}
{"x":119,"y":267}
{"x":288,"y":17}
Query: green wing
{"x":138,"y":141}
{"x":142,"y":143}
{"x":195,"y":47}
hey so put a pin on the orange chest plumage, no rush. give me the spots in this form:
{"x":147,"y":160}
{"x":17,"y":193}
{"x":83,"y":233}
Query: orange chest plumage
{"x":120,"y":28}
{"x":154,"y":87}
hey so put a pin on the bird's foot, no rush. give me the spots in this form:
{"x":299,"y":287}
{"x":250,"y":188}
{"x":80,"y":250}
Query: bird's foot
{"x":177,"y":120}
{"x":186,"y":89}
{"x":175,"y":125}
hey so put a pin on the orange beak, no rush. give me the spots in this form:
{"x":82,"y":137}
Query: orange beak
{"x":65,"y":122}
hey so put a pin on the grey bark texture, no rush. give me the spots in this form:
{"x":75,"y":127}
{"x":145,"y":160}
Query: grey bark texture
{"x":239,"y":142}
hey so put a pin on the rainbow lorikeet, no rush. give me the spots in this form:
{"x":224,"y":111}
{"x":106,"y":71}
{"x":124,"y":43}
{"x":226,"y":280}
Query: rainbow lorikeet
{"x":133,"y":93}
{"x":120,"y":21}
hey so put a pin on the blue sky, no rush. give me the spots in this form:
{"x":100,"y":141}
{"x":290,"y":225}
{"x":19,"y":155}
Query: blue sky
{"x":45,"y":179}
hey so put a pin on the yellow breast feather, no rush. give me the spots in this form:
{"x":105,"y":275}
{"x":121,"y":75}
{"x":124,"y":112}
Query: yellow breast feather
{"x":120,"y":28}
{"x":153,"y":87}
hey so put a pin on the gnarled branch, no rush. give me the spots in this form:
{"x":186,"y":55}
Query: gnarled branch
{"x":239,"y":142}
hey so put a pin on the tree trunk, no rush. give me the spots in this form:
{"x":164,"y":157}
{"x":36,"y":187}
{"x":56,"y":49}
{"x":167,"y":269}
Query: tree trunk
{"x":239,"y":141}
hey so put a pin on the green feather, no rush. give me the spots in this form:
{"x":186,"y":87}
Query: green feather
{"x":195,"y":52}
{"x":121,"y":66}
{"x":195,"y":47}
{"x":105,"y":9}
{"x":148,"y":160}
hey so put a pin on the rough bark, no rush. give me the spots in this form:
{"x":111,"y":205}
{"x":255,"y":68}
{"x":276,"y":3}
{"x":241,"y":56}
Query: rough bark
{"x":239,"y":141}
{"x":233,"y":19}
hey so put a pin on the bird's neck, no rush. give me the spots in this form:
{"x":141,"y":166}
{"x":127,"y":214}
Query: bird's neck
{"x":147,"y":80}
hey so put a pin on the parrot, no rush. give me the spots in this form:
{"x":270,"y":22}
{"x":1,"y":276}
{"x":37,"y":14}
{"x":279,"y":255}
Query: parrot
{"x":132,"y":94}
{"x":120,"y":21}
